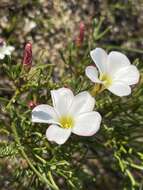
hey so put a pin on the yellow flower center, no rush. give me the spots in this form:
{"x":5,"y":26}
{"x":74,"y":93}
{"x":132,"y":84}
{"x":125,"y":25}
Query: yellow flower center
{"x":106,"y":79}
{"x":66,"y":122}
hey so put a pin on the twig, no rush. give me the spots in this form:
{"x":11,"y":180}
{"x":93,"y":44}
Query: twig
{"x":21,"y":149}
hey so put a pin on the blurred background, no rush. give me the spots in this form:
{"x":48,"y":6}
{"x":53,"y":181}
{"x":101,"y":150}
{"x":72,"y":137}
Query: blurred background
{"x":46,"y":23}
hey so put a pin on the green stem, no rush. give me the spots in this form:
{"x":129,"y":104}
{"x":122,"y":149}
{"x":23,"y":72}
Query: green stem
{"x":97,"y":89}
{"x":123,"y":48}
{"x":41,"y":177}
{"x":103,"y":33}
{"x":131,"y":177}
{"x":13,"y":99}
{"x":52,"y":180}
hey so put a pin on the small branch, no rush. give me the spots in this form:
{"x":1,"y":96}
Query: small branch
{"x":52,"y":180}
{"x":21,"y":149}
{"x":13,"y":99}
{"x":123,"y":48}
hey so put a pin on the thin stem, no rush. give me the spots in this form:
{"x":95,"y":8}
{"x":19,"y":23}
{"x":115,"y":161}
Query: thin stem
{"x":52,"y":180}
{"x":97,"y":89}
{"x":41,"y":177}
{"x":123,"y":48}
{"x":13,"y":99}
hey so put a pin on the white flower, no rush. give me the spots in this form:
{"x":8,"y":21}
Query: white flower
{"x":4,"y":49}
{"x":115,"y":71}
{"x":69,"y":114}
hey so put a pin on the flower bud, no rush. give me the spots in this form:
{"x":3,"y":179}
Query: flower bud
{"x":31,"y":104}
{"x":27,"y":56}
{"x":80,"y":37}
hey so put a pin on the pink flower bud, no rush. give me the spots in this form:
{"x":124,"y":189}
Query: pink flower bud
{"x":27,"y":56}
{"x":81,"y":31}
{"x":80,"y":38}
{"x":31,"y":104}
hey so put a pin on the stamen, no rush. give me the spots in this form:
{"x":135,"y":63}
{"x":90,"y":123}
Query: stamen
{"x":66,"y":122}
{"x":106,"y":79}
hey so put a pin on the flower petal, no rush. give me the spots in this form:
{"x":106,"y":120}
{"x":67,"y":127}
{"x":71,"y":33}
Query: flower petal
{"x":120,"y":89}
{"x":57,"y":134}
{"x":99,"y":56}
{"x":92,"y":73}
{"x":87,"y":124}
{"x":2,"y":55}
{"x":62,"y":100}
{"x":116,"y":61}
{"x":83,"y":102}
{"x":130,"y":75}
{"x":8,"y":50}
{"x":44,"y":114}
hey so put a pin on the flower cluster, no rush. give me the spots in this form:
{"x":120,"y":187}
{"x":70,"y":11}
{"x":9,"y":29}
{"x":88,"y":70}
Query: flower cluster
{"x":74,"y":114}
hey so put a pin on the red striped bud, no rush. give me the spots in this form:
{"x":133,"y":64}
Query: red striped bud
{"x":27,"y":56}
{"x":80,"y":38}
